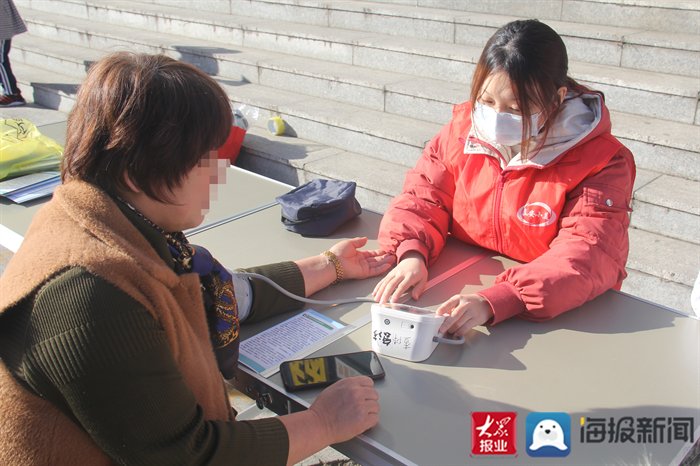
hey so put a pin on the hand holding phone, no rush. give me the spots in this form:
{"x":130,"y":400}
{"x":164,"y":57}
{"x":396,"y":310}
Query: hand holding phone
{"x":319,"y":372}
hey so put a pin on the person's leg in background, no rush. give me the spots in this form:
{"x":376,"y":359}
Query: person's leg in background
{"x":12,"y":95}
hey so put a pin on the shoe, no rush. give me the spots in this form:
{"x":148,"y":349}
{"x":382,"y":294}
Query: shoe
{"x":12,"y":100}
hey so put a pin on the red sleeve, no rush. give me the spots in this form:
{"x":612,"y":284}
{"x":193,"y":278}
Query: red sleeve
{"x":586,"y":258}
{"x":418,"y":219}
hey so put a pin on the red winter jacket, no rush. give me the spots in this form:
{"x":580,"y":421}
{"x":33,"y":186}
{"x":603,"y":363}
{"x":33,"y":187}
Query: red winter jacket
{"x":565,"y":213}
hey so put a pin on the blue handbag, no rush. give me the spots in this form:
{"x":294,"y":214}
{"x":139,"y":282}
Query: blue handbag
{"x":319,"y":207}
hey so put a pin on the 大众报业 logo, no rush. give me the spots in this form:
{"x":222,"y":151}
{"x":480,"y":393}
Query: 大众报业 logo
{"x":493,"y":433}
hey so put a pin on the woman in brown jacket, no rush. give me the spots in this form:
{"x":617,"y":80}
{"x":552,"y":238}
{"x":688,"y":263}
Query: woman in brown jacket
{"x":114,"y":329}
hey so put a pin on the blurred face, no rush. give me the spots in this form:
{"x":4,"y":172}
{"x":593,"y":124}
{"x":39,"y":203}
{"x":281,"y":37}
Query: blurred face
{"x":497,"y":93}
{"x":189,"y":202}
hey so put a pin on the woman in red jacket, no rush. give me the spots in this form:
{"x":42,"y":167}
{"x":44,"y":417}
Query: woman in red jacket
{"x":528,"y":167}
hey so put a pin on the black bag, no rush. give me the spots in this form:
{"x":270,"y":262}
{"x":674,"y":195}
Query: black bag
{"x":319,"y":207}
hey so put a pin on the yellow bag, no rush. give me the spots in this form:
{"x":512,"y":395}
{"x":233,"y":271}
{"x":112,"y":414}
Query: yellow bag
{"x":23,"y":149}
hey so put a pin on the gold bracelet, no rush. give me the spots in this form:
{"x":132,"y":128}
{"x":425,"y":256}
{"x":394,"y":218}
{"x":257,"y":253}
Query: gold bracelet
{"x":333,"y":259}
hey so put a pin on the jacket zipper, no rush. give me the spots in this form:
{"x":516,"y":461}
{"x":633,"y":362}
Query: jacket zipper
{"x":499,"y":189}
{"x":497,"y":210}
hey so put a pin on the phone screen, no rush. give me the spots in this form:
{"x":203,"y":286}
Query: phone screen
{"x":322,"y":371}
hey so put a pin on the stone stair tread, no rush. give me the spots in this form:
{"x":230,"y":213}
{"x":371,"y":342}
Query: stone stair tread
{"x":351,"y":74}
{"x":122,"y":33}
{"x":653,"y":81}
{"x":647,"y":129}
{"x":650,"y":253}
{"x":64,"y":84}
{"x":436,"y":12}
{"x":643,"y":178}
{"x":274,"y":60}
{"x":368,"y":172}
{"x":677,"y":40}
{"x":662,"y":83}
{"x":672,"y":134}
{"x":683,"y":41}
{"x":656,"y":131}
{"x":674,"y":193}
{"x":378,"y":79}
{"x":56,"y":49}
{"x":680,"y":4}
{"x":351,"y":117}
{"x":657,"y":290}
{"x":652,"y":130}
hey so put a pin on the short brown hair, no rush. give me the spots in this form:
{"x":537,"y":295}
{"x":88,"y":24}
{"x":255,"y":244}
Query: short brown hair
{"x":148,"y":117}
{"x":534,"y":58}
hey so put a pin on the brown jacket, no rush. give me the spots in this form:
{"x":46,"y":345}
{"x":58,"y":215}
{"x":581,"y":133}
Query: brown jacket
{"x":82,"y":226}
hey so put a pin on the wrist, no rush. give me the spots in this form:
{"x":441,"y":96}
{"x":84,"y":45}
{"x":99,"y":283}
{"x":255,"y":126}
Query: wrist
{"x":323,"y":427}
{"x":414,"y":255}
{"x":334,"y":263}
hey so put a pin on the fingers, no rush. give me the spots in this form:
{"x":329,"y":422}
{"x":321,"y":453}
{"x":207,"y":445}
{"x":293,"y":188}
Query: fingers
{"x":464,"y":312}
{"x":376,"y":252}
{"x":461,"y":326}
{"x":386,"y":288}
{"x":379,"y":290}
{"x":359,"y":380}
{"x":380,"y":265}
{"x":418,"y":289}
{"x":359,"y":241}
{"x":453,"y":309}
{"x":404,"y":285}
{"x":407,"y":274}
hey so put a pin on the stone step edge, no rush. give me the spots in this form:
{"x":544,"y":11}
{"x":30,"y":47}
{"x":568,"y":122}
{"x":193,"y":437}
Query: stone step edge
{"x":684,"y":269}
{"x":652,"y":289}
{"x":620,"y":35}
{"x":651,"y":125}
{"x":628,"y":35}
{"x":656,"y":82}
{"x":258,"y":147}
{"x":73,"y":86}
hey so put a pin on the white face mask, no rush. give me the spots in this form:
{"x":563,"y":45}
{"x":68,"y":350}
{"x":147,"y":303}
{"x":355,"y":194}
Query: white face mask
{"x":501,"y":128}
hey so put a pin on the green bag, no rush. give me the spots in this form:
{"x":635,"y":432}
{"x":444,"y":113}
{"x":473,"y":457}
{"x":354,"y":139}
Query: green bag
{"x":23,"y":149}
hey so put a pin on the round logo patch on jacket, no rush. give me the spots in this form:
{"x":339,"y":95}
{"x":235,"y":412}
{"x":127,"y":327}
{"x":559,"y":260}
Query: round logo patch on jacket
{"x":536,"y":214}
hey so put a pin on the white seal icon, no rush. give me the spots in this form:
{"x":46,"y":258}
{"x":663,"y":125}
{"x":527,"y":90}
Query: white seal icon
{"x":548,"y":432}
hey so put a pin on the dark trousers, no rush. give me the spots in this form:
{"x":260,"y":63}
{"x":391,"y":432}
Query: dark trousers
{"x":7,"y":79}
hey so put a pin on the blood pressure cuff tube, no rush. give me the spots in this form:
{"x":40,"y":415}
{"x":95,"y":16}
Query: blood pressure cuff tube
{"x":319,"y":207}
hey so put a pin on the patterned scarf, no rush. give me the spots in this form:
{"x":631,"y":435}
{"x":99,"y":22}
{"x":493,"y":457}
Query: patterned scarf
{"x":217,"y":290}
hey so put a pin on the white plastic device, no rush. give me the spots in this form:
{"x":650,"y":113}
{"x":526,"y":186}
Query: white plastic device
{"x":407,"y":332}
{"x":398,"y":330}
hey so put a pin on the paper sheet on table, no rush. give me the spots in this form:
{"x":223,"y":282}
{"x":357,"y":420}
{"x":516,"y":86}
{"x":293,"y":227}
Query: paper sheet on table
{"x":29,"y":187}
{"x":294,"y":338}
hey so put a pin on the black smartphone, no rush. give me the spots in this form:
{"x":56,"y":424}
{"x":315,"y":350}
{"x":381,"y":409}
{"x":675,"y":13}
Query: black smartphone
{"x":319,"y":372}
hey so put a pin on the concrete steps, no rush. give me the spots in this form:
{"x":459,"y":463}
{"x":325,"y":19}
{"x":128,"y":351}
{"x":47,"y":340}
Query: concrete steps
{"x":619,"y":45}
{"x":658,"y":144}
{"x":661,"y":269}
{"x":354,"y":93}
{"x":628,"y":90}
{"x":653,"y":15}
